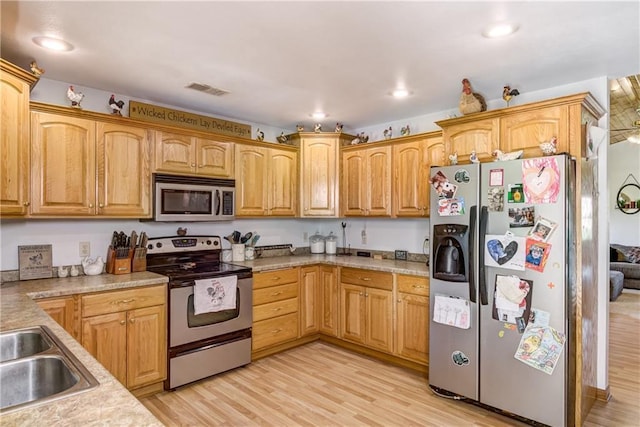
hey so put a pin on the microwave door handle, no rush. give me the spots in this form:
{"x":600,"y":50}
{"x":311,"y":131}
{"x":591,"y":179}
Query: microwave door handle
{"x":218,"y":202}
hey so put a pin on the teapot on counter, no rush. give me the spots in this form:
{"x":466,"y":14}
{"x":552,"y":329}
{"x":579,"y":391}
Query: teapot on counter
{"x":92,"y":267}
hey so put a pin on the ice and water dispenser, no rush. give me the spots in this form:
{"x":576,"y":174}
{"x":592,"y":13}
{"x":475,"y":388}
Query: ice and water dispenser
{"x":450,"y":250}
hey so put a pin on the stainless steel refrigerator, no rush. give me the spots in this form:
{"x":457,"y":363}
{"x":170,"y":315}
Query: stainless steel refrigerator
{"x":501,"y":271}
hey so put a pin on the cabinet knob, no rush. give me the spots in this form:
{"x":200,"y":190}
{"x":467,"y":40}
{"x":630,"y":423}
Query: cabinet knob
{"x":399,"y":301}
{"x":275,"y":331}
{"x":200,"y":166}
{"x":122,"y":322}
{"x":132,"y":320}
{"x":101,"y":205}
{"x":193,"y":165}
{"x":365,"y":279}
{"x":366,"y":295}
{"x":90,"y":205}
{"x":27,"y":203}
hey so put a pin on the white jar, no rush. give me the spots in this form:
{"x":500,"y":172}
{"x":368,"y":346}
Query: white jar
{"x":331,"y":244}
{"x":316,"y":242}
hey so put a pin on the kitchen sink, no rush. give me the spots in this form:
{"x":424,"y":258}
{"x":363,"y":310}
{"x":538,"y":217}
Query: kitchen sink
{"x":36,"y":368}
{"x":23,"y":343}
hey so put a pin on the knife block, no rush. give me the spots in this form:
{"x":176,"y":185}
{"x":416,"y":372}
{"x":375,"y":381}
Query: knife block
{"x":139,"y":261}
{"x":119,"y":265}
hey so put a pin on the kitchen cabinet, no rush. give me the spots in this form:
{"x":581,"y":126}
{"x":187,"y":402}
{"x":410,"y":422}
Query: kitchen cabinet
{"x":266,"y":181}
{"x":328,"y":295}
{"x":412,"y":159}
{"x":275,"y":308}
{"x":309,"y":300}
{"x":366,"y":308}
{"x":64,"y":311}
{"x":319,"y":166}
{"x":15,"y":85}
{"x":526,"y":130}
{"x":412,"y":337}
{"x":366,"y":181}
{"x":126,"y":331}
{"x":481,"y":136}
{"x":191,"y":155}
{"x":83,"y":167}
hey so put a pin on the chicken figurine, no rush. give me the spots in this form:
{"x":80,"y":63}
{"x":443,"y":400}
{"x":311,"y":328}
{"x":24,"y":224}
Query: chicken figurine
{"x":387,"y":133}
{"x":549,"y":148}
{"x":37,"y":71}
{"x":508,"y":93}
{"x":502,"y":156}
{"x":317,"y":128}
{"x":453,"y":158}
{"x":282,"y":139}
{"x":300,"y":128}
{"x":405,"y":130}
{"x":74,"y":97}
{"x":339,"y":127}
{"x":259,"y":135}
{"x":473,"y":157}
{"x":470,"y":102}
{"x":116,"y":106}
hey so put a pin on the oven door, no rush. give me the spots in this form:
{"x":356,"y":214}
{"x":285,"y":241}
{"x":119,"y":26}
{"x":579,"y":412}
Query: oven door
{"x":186,"y":327}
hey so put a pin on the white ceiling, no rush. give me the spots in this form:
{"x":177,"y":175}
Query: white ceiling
{"x":280,"y":61}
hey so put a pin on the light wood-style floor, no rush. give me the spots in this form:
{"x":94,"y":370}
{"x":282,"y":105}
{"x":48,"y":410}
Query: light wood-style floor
{"x":322,"y":385}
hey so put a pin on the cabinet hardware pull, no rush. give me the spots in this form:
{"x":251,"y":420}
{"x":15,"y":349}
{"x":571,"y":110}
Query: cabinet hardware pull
{"x":399,"y":301}
{"x":122,"y":322}
{"x":90,"y":205}
{"x":366,"y":279}
{"x":101,"y":206}
{"x":26,"y":203}
{"x":360,"y":293}
{"x":275,"y":331}
{"x":366,"y":295}
{"x":276,"y":278}
{"x":132,"y":320}
{"x":275,"y":294}
{"x":125,"y":301}
{"x":277,"y":309}
{"x":419,"y":286}
{"x":193,"y":165}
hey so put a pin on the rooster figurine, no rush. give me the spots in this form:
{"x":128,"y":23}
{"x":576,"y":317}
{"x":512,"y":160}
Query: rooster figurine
{"x":74,"y":97}
{"x":470,"y":102}
{"x":549,"y":148}
{"x":116,"y":106}
{"x":387,"y":133}
{"x":259,"y":135}
{"x":282,"y":139}
{"x":508,"y":93}
{"x":37,"y":71}
{"x":473,"y":157}
{"x":501,"y":156}
{"x":405,"y":130}
{"x":453,"y":158}
{"x":339,"y":127}
{"x":300,"y":128}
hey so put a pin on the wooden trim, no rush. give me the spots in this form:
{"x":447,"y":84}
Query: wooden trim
{"x":603,"y":395}
{"x":14,"y":70}
{"x":148,"y":390}
{"x":282,"y":347}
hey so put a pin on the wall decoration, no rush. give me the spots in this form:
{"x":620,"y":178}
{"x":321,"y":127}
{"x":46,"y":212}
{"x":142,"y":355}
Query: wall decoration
{"x":521,"y":217}
{"x":35,"y":262}
{"x":541,"y":179}
{"x":628,"y":197}
{"x":537,"y":254}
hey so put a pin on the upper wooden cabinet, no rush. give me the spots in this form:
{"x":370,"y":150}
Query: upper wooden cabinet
{"x":412,"y":159}
{"x":14,"y":139}
{"x":187,"y":154}
{"x":366,"y":181}
{"x":319,"y":166}
{"x":266,"y":181}
{"x":523,"y":127}
{"x":82,"y":167}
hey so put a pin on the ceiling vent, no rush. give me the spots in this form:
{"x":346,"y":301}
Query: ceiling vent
{"x":207,"y":89}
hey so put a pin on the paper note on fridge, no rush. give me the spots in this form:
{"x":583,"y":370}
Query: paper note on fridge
{"x":540,"y":347}
{"x":505,"y":251}
{"x":452,"y":311}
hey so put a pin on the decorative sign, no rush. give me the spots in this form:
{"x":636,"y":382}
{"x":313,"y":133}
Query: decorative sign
{"x":35,"y":262}
{"x":171,"y":117}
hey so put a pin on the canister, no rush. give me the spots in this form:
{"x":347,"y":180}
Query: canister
{"x":331,"y":244}
{"x":316,"y":243}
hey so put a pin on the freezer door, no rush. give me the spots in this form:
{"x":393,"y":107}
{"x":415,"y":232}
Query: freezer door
{"x":506,"y":382}
{"x":453,"y":351}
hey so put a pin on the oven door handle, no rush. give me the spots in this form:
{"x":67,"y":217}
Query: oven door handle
{"x":218,"y":203}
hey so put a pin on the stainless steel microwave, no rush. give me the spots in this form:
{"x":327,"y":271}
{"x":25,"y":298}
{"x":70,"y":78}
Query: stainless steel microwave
{"x":188,"y":199}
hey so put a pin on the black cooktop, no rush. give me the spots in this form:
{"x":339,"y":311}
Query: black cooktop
{"x":194,"y":271}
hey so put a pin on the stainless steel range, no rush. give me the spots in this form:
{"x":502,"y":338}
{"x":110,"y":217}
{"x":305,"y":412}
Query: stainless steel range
{"x":204,"y":344}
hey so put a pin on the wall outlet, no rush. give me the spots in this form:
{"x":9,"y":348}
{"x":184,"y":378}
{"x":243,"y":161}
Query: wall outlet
{"x":364,"y":237}
{"x":305,"y":236}
{"x":85,"y":249}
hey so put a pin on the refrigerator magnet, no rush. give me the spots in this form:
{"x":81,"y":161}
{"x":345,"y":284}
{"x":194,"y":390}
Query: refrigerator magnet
{"x":442,"y":186}
{"x":512,"y":299}
{"x":451,"y":207}
{"x":542,"y":229}
{"x":496,"y":177}
{"x":522,"y":217}
{"x":495,"y":201}
{"x":540,"y":348}
{"x":515,"y":194}
{"x":537,"y":254}
{"x":541,"y":180}
{"x":504,"y":251}
{"x":462,"y":176}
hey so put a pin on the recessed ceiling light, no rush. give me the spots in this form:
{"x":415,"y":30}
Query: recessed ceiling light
{"x":400,"y":93}
{"x":319,"y":115}
{"x":499,"y":30}
{"x":53,"y":44}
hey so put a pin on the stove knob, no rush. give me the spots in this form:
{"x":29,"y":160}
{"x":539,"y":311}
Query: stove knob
{"x":149,"y":246}
{"x":208,"y":242}
{"x":158,"y":245}
{"x":216,"y":243}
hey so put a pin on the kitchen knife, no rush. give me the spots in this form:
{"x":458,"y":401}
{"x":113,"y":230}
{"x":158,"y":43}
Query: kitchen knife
{"x":143,"y":240}
{"x":133,"y":240}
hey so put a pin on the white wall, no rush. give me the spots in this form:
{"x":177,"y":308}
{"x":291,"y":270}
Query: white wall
{"x":624,"y":159}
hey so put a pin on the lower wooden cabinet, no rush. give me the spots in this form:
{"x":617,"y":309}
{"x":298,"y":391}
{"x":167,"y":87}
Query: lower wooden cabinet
{"x":412,"y":337}
{"x":275,"y":308}
{"x":309,"y":300}
{"x":328,"y":296}
{"x":64,"y":311}
{"x":126,"y":331}
{"x":366,"y":308}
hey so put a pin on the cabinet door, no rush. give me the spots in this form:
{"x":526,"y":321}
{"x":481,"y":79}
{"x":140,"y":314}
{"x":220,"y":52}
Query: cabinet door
{"x":283,"y":183}
{"x":379,"y":309}
{"x":251,"y":181}
{"x":146,"y":346}
{"x":480,"y":135}
{"x":413,"y":327}
{"x":353,"y":188}
{"x":319,"y":176}
{"x":174,"y":153}
{"x":63,"y":162}
{"x":124,"y":181}
{"x":378,"y":174}
{"x":63,"y":311}
{"x":352,"y":313}
{"x":105,"y":337}
{"x":408,"y":170}
{"x":328,"y":298}
{"x":14,"y":145}
{"x":528,"y":129}
{"x":214,"y":158}
{"x":309,"y":300}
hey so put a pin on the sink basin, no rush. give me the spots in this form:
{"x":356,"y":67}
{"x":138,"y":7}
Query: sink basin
{"x":37,"y":368}
{"x":23,"y":343}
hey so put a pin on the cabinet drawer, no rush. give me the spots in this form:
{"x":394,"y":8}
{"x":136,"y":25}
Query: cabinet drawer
{"x":274,"y":293}
{"x":413,"y":285}
{"x":276,"y":277}
{"x":372,"y":279}
{"x":275,"y":331}
{"x":275,"y":309}
{"x":113,"y":302}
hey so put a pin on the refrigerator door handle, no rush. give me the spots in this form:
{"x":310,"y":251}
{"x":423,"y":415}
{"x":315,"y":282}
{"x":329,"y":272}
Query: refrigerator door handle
{"x":484,"y":214}
{"x":472,"y":246}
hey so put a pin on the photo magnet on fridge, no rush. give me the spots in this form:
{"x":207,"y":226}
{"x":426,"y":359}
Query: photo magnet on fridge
{"x":507,"y":251}
{"x":496,"y":199}
{"x":443,"y":187}
{"x":537,"y":254}
{"x":515,"y":194}
{"x":451,"y":207}
{"x":521,"y":217}
{"x":542,"y":229}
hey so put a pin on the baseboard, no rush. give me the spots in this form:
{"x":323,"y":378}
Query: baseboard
{"x":255,"y":355}
{"x":148,"y":390}
{"x":603,"y":395}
